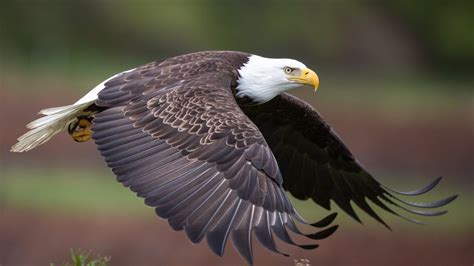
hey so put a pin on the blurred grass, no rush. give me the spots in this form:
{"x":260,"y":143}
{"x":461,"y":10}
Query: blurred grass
{"x":81,"y":258}
{"x":78,"y":191}
{"x":72,"y":190}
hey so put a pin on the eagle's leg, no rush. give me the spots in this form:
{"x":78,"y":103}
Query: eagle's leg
{"x":80,"y":130}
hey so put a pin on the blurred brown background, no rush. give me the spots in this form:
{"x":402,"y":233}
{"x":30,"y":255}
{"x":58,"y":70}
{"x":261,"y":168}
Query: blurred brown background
{"x":396,"y":83}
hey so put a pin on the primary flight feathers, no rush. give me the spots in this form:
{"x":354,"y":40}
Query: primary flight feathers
{"x":211,"y":140}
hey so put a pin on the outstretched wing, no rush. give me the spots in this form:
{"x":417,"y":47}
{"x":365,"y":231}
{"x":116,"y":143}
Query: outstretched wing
{"x":316,"y":164}
{"x":188,"y":149}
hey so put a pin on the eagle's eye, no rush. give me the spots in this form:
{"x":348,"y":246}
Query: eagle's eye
{"x":288,"y":70}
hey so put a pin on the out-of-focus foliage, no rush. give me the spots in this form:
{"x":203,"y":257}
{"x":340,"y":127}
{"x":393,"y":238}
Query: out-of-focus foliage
{"x":444,"y":27}
{"x":81,"y":258}
{"x":390,"y":35}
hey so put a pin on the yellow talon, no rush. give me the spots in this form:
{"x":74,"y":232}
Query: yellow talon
{"x":81,"y":130}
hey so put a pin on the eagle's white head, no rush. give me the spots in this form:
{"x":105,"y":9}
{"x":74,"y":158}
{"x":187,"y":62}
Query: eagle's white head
{"x":262,"y":78}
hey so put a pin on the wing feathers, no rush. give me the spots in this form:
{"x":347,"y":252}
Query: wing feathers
{"x":316,"y":163}
{"x":434,"y":204}
{"x":420,"y":191}
{"x":217,"y":236}
{"x":187,"y":148}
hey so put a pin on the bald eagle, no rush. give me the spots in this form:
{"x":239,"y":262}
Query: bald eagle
{"x":212,"y":141}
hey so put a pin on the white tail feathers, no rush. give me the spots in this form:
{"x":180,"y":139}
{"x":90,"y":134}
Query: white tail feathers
{"x":57,"y":119}
{"x":54,"y":110}
{"x":43,"y":129}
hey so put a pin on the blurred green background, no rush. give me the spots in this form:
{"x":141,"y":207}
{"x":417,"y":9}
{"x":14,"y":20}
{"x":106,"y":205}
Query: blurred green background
{"x":396,"y":83}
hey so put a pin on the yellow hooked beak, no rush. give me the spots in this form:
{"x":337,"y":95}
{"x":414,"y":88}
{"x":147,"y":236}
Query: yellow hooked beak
{"x":307,"y":77}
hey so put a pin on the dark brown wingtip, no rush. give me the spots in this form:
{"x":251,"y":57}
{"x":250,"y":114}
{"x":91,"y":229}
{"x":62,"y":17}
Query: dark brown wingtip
{"x":416,"y":192}
{"x":325,"y":221}
{"x":324,"y":233}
